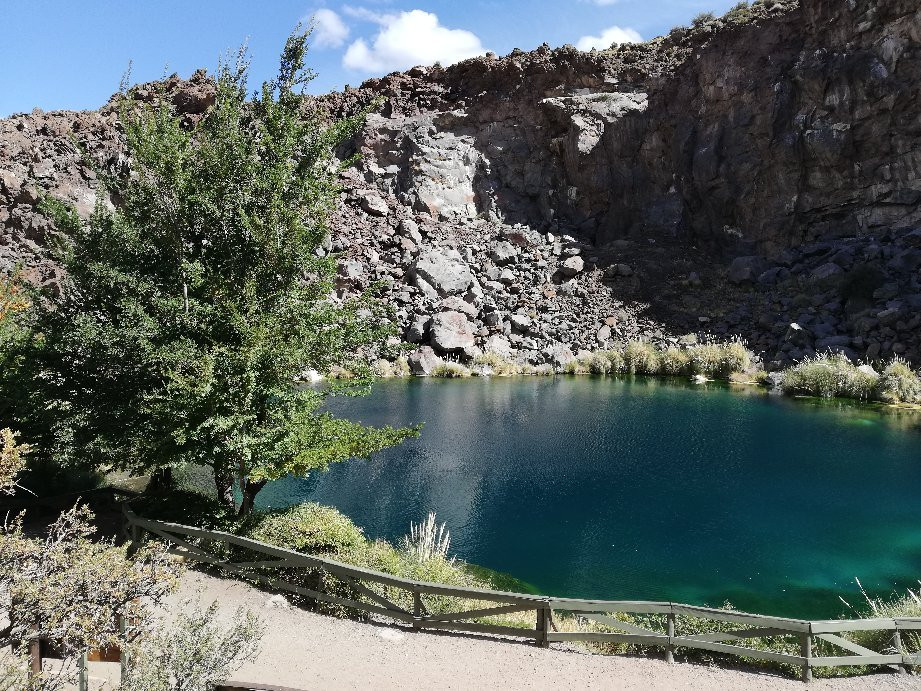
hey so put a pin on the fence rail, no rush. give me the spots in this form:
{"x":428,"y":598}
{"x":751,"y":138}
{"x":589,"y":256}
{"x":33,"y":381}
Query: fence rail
{"x":404,"y":600}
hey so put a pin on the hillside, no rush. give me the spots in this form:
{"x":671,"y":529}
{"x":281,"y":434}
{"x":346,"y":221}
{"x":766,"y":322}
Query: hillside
{"x":732,"y":178}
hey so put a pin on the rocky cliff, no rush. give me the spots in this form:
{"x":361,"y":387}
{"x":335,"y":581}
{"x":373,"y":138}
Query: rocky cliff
{"x":733,"y":177}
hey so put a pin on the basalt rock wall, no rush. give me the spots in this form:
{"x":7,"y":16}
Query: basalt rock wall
{"x":797,"y":122}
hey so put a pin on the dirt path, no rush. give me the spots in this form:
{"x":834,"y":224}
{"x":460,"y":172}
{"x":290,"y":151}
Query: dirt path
{"x":310,"y":651}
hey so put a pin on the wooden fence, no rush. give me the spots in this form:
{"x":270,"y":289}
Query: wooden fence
{"x":434,"y":606}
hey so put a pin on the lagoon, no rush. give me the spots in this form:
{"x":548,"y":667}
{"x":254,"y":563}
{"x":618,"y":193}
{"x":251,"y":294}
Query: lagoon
{"x":641,"y":488}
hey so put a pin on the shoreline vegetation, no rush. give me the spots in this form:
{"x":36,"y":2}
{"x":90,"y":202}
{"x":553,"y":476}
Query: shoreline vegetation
{"x":423,"y":555}
{"x":825,"y":375}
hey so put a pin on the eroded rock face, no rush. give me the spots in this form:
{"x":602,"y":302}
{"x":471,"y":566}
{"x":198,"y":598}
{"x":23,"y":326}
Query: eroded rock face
{"x":729,"y":180}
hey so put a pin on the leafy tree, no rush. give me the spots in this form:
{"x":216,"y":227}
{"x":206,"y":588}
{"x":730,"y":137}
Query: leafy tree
{"x":190,"y":311}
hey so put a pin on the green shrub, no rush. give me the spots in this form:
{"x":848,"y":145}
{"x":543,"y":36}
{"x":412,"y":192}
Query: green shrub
{"x":703,"y":19}
{"x":309,"y":527}
{"x":500,"y":365}
{"x":830,"y":376}
{"x":899,"y":384}
{"x":735,"y":358}
{"x":450,"y":370}
{"x":641,"y":357}
{"x":705,"y":359}
{"x":674,"y":361}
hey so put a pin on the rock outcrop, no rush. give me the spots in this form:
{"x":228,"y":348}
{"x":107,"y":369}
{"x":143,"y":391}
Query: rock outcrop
{"x":737,"y":177}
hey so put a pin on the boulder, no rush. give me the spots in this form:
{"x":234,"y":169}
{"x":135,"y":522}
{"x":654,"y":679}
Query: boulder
{"x":499,"y":345}
{"x":423,"y":361}
{"x":455,"y":304}
{"x":798,"y":336}
{"x":558,"y":355}
{"x":745,"y":269}
{"x":826,"y":271}
{"x":451,"y":332}
{"x":418,"y":329}
{"x":445,"y":274}
{"x":503,"y":253}
{"x":372,"y":203}
{"x":572,"y":266}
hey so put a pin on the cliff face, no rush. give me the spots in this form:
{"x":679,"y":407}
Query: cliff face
{"x":800,"y":123}
{"x":732,"y":178}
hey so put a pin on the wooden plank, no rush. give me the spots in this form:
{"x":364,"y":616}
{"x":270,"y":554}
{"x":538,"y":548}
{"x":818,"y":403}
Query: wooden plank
{"x":251,"y":686}
{"x":477,"y":613}
{"x":623,"y":607}
{"x":622,"y":625}
{"x":907,"y":624}
{"x":325,"y":597}
{"x":270,"y":564}
{"x":796,"y":625}
{"x":857,"y":660}
{"x":378,"y":598}
{"x":480,"y":594}
{"x":846,"y":644}
{"x":600,"y":637}
{"x":684,"y":642}
{"x":479,"y":628}
{"x":835,"y":626}
{"x":741,"y":635}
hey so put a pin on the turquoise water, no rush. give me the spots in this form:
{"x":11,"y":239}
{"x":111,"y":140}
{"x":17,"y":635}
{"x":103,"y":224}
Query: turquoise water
{"x":638,"y":489}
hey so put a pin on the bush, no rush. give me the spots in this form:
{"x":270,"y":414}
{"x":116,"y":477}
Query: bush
{"x":703,"y":19}
{"x":735,"y":358}
{"x":705,"y":359}
{"x":830,"y":376}
{"x":309,"y":527}
{"x":499,"y":365}
{"x":674,"y":361}
{"x":641,"y":357}
{"x":899,"y":384}
{"x":450,"y":370}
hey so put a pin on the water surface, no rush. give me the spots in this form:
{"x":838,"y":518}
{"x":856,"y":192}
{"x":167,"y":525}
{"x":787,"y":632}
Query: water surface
{"x":637,"y":489}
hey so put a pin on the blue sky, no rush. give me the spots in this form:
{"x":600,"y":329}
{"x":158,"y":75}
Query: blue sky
{"x":72,"y":53}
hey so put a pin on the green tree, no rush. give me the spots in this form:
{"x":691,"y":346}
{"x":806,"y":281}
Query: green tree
{"x":189,"y":312}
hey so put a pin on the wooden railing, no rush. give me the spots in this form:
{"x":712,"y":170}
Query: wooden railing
{"x":423,"y":605}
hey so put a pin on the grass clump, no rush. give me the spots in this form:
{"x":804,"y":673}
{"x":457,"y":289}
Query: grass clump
{"x":499,"y":365}
{"x":641,"y":357}
{"x":450,"y":370}
{"x":831,"y":375}
{"x":674,"y":361}
{"x":899,"y":383}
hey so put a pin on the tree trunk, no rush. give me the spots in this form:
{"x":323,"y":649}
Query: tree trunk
{"x":223,"y":482}
{"x":250,"y":490}
{"x":161,"y":479}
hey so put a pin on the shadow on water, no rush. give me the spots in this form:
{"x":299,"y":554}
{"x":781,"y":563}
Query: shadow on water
{"x":642,"y":488}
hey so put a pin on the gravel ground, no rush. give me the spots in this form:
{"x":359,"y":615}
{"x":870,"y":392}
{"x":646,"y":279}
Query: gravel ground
{"x":310,"y":651}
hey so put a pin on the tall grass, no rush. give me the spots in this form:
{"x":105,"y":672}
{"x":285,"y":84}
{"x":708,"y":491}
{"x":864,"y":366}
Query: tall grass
{"x":833,"y":375}
{"x":642,"y":357}
{"x":427,"y":540}
{"x":898,"y":383}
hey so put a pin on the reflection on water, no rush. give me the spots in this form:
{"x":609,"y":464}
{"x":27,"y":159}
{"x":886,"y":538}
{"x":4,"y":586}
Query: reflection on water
{"x":644,"y":489}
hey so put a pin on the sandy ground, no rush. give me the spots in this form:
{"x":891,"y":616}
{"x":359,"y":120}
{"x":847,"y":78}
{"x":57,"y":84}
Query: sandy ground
{"x":310,"y":651}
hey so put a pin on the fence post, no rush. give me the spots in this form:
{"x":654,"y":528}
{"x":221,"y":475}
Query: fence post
{"x":897,"y":644}
{"x":806,"y":652}
{"x":543,"y":625}
{"x":670,"y":647}
{"x":417,"y":608}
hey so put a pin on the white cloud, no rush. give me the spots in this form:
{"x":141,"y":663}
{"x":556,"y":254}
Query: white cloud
{"x":408,"y":39}
{"x":603,"y":3}
{"x":329,"y":29}
{"x":613,"y":34}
